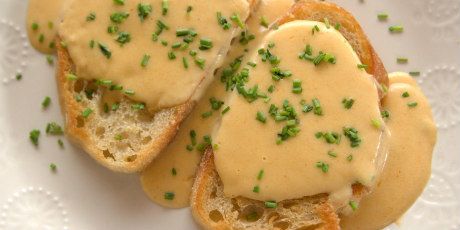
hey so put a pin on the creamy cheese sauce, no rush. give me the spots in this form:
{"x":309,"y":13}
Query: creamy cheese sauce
{"x":302,"y":165}
{"x":42,"y":23}
{"x":158,"y":178}
{"x":408,"y":166}
{"x":149,"y":66}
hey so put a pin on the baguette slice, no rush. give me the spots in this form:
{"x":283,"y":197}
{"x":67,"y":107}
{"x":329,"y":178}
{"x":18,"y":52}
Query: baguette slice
{"x":142,"y":135}
{"x":212,"y":210}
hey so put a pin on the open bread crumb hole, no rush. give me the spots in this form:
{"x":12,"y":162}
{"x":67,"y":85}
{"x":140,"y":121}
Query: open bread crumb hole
{"x":131,"y":158}
{"x":281,"y":225}
{"x":312,"y":227}
{"x":251,"y":213}
{"x":146,"y":140}
{"x":235,"y":206}
{"x":213,"y":193}
{"x":273,"y":217}
{"x":100,"y":131}
{"x":107,"y":154}
{"x":78,"y":86}
{"x":216,"y":216}
{"x":80,"y":122}
{"x":288,"y":204}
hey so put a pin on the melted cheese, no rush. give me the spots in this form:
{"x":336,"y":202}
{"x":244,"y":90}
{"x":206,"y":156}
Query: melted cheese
{"x":158,"y":178}
{"x":247,"y":146}
{"x":408,"y":166}
{"x":161,"y":83}
{"x":45,"y":15}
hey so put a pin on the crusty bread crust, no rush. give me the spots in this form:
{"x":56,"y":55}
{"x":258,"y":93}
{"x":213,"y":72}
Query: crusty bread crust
{"x":323,"y":216}
{"x":352,"y":31}
{"x":71,"y":110}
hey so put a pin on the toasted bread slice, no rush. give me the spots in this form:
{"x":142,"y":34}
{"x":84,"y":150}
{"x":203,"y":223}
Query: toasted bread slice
{"x":213,"y":210}
{"x":144,"y":135}
{"x":147,"y":134}
{"x":210,"y":207}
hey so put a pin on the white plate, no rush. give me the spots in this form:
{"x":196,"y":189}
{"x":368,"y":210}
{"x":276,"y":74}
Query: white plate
{"x":83,"y":195}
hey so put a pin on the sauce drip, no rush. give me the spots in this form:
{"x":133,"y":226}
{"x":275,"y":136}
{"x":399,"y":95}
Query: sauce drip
{"x":408,"y":166}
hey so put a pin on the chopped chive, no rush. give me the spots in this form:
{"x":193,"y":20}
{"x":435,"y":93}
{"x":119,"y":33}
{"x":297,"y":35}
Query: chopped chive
{"x":123,"y":38}
{"x":326,"y":22}
{"x":41,"y":38}
{"x":200,"y":62}
{"x":315,"y":28}
{"x":260,"y":175}
{"x":323,"y":166}
{"x":52,"y":45}
{"x":145,"y":60}
{"x":104,"y":82}
{"x":34,"y":135}
{"x":138,"y":106}
{"x":385,"y":114}
{"x":337,"y":26}
{"x":382,"y":16}
{"x":118,"y":137}
{"x":350,"y":158}
{"x":54,"y":129}
{"x":53,"y":167}
{"x":396,"y":29}
{"x":91,"y":44}
{"x":270,"y":204}
{"x":34,"y":26}
{"x":119,"y":17}
{"x":353,"y":135}
{"x":332,"y":154}
{"x":49,"y":59}
{"x":362,"y":66}
{"x":169,"y":196}
{"x":402,"y":60}
{"x":189,"y":148}
{"x":412,"y":104}
{"x":185,"y":62}
{"x":297,"y":86}
{"x":119,"y":2}
{"x":164,"y":7}
{"x":105,"y":50}
{"x":237,"y":20}
{"x":91,"y":17}
{"x":86,"y":112}
{"x":171,"y":55}
{"x":252,"y":64}
{"x":256,"y":189}
{"x":317,"y":109}
{"x":189,"y":9}
{"x":376,"y":123}
{"x":174,"y":171}
{"x":143,"y":11}
{"x":60,"y":143}
{"x":261,"y":117}
{"x":263,"y":22}
{"x":182,"y":32}
{"x":112,"y":29}
{"x":46,"y":102}
{"x":405,"y":94}
{"x":50,"y":25}
{"x":129,"y":92}
{"x":353,"y":205}
{"x":348,"y":103}
{"x":222,"y":21}
{"x":226,"y":110}
{"x":193,"y":136}
{"x":205,"y":44}
{"x":271,"y":88}
{"x":206,"y":114}
{"x":414,"y":73}
{"x":18,"y":76}
{"x":115,"y":106}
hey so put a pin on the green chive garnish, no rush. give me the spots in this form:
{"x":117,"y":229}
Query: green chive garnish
{"x":46,"y":102}
{"x":412,"y":104}
{"x":270,"y":204}
{"x":169,"y":196}
{"x":143,"y":11}
{"x":402,"y":60}
{"x":164,"y":7}
{"x":86,"y":112}
{"x":396,"y":29}
{"x":261,"y":117}
{"x":145,"y":60}
{"x":382,"y":16}
{"x":34,"y":136}
{"x":405,"y":94}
